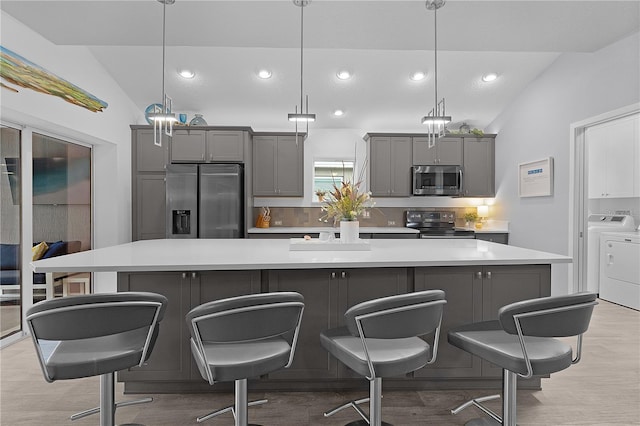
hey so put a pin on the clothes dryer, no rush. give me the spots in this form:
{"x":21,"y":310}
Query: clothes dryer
{"x":597,"y":224}
{"x":620,"y":268}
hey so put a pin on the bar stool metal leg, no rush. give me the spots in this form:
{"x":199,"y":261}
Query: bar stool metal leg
{"x":509,"y":388}
{"x":107,"y":397}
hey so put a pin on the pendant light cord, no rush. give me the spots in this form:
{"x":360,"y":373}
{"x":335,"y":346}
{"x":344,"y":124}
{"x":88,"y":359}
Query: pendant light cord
{"x":164,"y":18}
{"x":302,"y":5}
{"x":435,"y":39}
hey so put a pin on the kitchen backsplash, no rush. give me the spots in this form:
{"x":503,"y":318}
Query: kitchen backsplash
{"x":378,"y":216}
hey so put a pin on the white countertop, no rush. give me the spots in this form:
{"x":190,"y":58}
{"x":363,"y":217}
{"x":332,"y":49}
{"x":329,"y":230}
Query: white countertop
{"x":244,"y":254}
{"x":317,"y":229}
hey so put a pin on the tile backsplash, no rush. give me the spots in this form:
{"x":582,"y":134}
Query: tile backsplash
{"x":378,"y":216}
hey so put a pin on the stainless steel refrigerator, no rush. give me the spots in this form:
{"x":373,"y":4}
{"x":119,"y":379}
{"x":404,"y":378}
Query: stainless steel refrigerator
{"x":205,"y":201}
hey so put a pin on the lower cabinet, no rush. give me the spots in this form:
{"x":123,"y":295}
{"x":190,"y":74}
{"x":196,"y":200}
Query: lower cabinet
{"x":494,"y":237}
{"x":327,"y":295}
{"x":171,"y":358}
{"x":475,"y":294}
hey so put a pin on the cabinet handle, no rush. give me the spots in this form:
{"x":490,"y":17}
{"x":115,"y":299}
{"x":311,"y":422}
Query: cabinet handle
{"x":488,"y":275}
{"x":479,"y":275}
{"x":194,"y":275}
{"x":333,"y":275}
{"x":184,"y":275}
{"x":343,"y":274}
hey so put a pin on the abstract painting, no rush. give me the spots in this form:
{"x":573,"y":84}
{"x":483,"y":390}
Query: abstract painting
{"x":15,"y":69}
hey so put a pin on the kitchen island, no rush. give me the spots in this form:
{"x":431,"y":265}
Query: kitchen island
{"x":478,"y":277}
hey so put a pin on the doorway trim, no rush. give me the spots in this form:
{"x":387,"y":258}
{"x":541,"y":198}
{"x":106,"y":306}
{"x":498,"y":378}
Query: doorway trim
{"x":578,"y":175}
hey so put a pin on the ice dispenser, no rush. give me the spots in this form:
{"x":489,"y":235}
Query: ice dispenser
{"x":181,"y":222}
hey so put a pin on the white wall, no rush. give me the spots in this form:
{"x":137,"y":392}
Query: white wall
{"x":536,"y":125}
{"x":107,"y":131}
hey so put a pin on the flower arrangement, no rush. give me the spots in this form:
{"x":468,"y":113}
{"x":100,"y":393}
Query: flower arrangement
{"x":470,"y":216}
{"x":346,"y":202}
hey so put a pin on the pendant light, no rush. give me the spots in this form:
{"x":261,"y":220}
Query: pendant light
{"x":437,"y":118}
{"x":164,"y":119}
{"x":303,"y":116}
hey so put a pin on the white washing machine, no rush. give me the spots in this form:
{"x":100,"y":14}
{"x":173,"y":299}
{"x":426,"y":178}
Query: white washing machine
{"x":597,"y":224}
{"x":620,"y":268}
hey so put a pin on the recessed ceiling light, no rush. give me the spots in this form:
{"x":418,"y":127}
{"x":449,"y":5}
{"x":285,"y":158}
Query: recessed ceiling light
{"x":489,"y":77}
{"x":184,"y":73}
{"x":264,"y":74}
{"x":344,"y":75}
{"x":338,"y":113}
{"x":418,"y":75}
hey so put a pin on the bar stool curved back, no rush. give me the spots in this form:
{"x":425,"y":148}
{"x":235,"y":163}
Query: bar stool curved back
{"x":96,"y":335}
{"x":241,"y":337}
{"x":522,"y":341}
{"x":380,"y":339}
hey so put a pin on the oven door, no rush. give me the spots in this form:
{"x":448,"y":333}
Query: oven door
{"x":437,"y":180}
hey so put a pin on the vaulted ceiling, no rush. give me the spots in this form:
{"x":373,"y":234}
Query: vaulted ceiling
{"x":380,"y":42}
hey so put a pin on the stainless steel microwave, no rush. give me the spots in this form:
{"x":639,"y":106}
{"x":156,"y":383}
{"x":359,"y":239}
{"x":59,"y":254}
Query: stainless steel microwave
{"x":437,"y":180}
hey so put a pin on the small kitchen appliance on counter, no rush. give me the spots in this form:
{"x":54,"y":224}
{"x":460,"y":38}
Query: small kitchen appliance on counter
{"x":435,"y":224}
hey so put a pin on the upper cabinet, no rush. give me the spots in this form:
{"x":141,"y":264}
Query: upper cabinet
{"x":614,"y":158}
{"x":199,"y":146}
{"x":225,"y":145}
{"x":478,"y":166}
{"x":147,"y":156}
{"x":188,"y":146}
{"x":278,"y":166}
{"x":148,"y":184}
{"x":445,"y":151}
{"x":390,"y":166}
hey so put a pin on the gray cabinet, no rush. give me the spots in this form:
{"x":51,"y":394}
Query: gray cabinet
{"x":464,"y":306}
{"x":225,"y":146}
{"x":171,"y":358}
{"x":150,"y":206}
{"x":445,"y":151}
{"x":148,"y":184}
{"x":188,"y":146}
{"x":278,"y":166}
{"x":148,"y":157}
{"x":494,"y":237}
{"x":478,"y":179}
{"x":198,"y":146}
{"x":327,"y":295}
{"x":474,"y":294}
{"x":390,"y":166}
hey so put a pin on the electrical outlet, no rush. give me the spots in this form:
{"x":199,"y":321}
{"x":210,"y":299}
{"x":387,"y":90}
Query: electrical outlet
{"x":366,"y":214}
{"x":391,"y":223}
{"x":277,"y":222}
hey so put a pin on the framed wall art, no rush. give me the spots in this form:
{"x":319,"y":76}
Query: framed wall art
{"x":535,"y":178}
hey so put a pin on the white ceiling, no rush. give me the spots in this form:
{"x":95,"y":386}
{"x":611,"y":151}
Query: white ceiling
{"x":380,"y":42}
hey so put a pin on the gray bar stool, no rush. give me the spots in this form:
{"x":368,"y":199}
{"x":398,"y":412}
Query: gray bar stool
{"x":380,"y":339}
{"x":96,"y":335}
{"x":522,"y":342}
{"x":241,"y":337}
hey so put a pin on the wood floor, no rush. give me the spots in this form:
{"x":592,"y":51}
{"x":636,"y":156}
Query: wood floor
{"x":603,"y":389}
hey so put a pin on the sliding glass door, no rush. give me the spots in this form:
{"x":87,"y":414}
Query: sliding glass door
{"x":61,"y":212}
{"x":10,"y":235}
